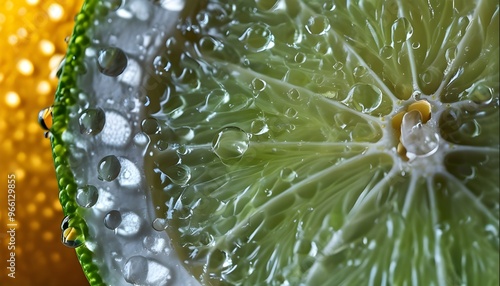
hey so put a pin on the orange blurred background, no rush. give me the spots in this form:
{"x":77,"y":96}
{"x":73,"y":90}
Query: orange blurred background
{"x":32,"y":44}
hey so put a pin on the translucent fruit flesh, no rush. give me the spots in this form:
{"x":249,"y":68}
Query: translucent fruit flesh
{"x":267,"y":145}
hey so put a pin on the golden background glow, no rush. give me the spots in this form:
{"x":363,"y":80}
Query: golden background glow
{"x":32,"y":44}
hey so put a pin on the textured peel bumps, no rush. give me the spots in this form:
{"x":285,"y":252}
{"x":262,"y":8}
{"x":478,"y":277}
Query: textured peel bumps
{"x":282,"y":142}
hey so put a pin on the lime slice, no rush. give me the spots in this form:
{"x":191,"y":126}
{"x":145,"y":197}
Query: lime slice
{"x":281,"y":142}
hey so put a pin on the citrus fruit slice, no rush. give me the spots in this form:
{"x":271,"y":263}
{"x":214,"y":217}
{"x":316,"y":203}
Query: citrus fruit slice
{"x":281,"y":142}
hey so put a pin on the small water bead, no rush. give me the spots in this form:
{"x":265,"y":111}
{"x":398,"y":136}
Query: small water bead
{"x":216,"y":99}
{"x":108,"y":168}
{"x":230,"y":143}
{"x":150,"y":126}
{"x":179,"y":174}
{"x":481,"y":94}
{"x":451,"y":54}
{"x":259,"y":127}
{"x":329,"y":6}
{"x":139,"y":270}
{"x":162,"y":65}
{"x":288,"y":175}
{"x":258,"y":38}
{"x":45,"y":118}
{"x":420,"y":140}
{"x":359,"y":71}
{"x":318,"y":25}
{"x":291,"y":112}
{"x":386,"y":52}
{"x":87,"y":196}
{"x":117,"y":130}
{"x":293,"y":94}
{"x":113,"y":5}
{"x":130,"y":224}
{"x":415,"y":45}
{"x":111,"y":61}
{"x":92,"y":121}
{"x":129,"y":176}
{"x":112,"y":219}
{"x":364,"y":97}
{"x":159,"y":224}
{"x":470,"y":128}
{"x":402,"y":30}
{"x":258,"y":85}
{"x":300,"y":57}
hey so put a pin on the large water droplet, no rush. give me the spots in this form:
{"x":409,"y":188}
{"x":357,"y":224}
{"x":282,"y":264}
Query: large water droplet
{"x":258,"y":38}
{"x":318,"y":25}
{"x":70,"y":236}
{"x":87,"y":196}
{"x":111,"y":61}
{"x":402,"y":30}
{"x":230,"y":143}
{"x":364,"y":97}
{"x":112,"y":219}
{"x":259,"y":127}
{"x":130,"y":224}
{"x":420,"y":140}
{"x":108,"y":168}
{"x":215,"y":100}
{"x":92,"y":121}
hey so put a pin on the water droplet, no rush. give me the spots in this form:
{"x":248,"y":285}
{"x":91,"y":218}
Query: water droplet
{"x":215,"y":100}
{"x":230,"y":143}
{"x":402,"y":30}
{"x":415,"y":45}
{"x":258,"y":38}
{"x":288,"y":175}
{"x":259,"y":127}
{"x":258,"y":85}
{"x":116,"y":131}
{"x":129,"y":176}
{"x":318,"y":25}
{"x":162,"y":65}
{"x":209,"y":44}
{"x":130,"y":224}
{"x":329,"y":6}
{"x":300,"y":57}
{"x":338,"y":66}
{"x":112,"y":219}
{"x":150,"y":126}
{"x":386,"y":52}
{"x":451,"y":54}
{"x":481,"y":94}
{"x":359,"y":72}
{"x":291,"y":112}
{"x":70,"y":236}
{"x":159,"y":224}
{"x":293,"y":94}
{"x":92,"y":121}
{"x":45,"y":118}
{"x":179,"y":174}
{"x":470,"y":128}
{"x":111,"y":61}
{"x":364,"y":97}
{"x":139,"y":270}
{"x":420,"y":140}
{"x":87,"y":196}
{"x":113,"y":5}
{"x":108,"y":168}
